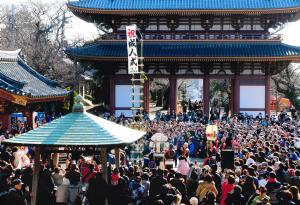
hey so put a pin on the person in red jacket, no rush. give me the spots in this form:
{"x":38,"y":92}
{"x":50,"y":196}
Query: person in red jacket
{"x":227,"y":187}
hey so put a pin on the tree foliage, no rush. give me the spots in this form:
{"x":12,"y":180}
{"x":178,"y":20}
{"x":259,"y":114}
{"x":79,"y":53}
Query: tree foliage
{"x":220,"y":92}
{"x":39,"y":30}
{"x":287,"y":84}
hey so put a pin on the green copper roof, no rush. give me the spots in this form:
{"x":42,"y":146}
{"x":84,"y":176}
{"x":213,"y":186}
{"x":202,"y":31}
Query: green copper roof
{"x":78,"y":129}
{"x":184,"y":4}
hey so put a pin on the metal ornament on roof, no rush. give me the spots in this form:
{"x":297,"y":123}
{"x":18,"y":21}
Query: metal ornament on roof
{"x":78,"y":106}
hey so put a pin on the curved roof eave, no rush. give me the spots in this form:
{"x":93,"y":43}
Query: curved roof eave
{"x":191,"y":50}
{"x":195,"y":12}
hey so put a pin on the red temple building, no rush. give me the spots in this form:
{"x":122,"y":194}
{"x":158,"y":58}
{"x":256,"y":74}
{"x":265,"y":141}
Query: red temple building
{"x":192,"y":39}
{"x":24,"y":92}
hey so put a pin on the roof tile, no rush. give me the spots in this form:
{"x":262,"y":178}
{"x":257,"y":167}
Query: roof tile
{"x":184,"y":4}
{"x":189,"y":49}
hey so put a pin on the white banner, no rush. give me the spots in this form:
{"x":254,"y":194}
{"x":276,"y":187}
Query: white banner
{"x":132,"y":49}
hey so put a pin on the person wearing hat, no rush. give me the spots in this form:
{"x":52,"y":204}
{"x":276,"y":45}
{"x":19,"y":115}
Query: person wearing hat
{"x":16,"y":196}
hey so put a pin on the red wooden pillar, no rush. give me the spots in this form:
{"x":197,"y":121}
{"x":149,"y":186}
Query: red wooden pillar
{"x":4,"y":118}
{"x":206,"y":95}
{"x":29,"y":116}
{"x":146,"y":96}
{"x":173,"y":88}
{"x":236,"y":95}
{"x":112,"y":94}
{"x":268,"y":95}
{"x":231,"y":98}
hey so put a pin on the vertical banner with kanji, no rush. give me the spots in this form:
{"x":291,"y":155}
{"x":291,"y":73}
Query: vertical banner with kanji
{"x":132,"y":49}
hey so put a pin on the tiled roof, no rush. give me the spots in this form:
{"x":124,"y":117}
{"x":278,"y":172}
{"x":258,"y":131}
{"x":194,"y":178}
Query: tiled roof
{"x":81,"y":129}
{"x":110,"y":49}
{"x":184,"y":4}
{"x":9,"y":55}
{"x":18,"y":78}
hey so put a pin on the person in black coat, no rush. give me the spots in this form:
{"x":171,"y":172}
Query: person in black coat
{"x":97,"y":191}
{"x":192,"y":185}
{"x":236,"y":197}
{"x":178,"y":183}
{"x":46,"y":187}
{"x":16,"y":195}
{"x":118,"y":190}
{"x":156,"y":184}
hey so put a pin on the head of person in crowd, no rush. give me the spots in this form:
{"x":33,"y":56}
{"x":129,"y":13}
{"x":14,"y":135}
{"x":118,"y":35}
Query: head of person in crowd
{"x":17,"y":184}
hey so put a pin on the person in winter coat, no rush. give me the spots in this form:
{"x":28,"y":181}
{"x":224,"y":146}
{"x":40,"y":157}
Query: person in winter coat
{"x":192,"y":185}
{"x":207,"y":185}
{"x":295,"y":180}
{"x":183,"y":167}
{"x":46,"y":187}
{"x":236,"y":197}
{"x":248,"y":187}
{"x":168,"y":194}
{"x":273,"y":187}
{"x":16,"y":195}
{"x":261,"y":198}
{"x":296,"y":196}
{"x":210,"y":199}
{"x":178,"y":183}
{"x":137,"y":190}
{"x":227,"y":187}
{"x":74,"y":192}
{"x":146,"y":184}
{"x":285,"y":198}
{"x":57,"y":177}
{"x":156,"y":184}
{"x":73,"y":175}
{"x":97,"y":190}
{"x":62,"y":193}
{"x":118,"y":190}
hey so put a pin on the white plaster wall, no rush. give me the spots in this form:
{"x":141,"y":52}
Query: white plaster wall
{"x":252,"y":97}
{"x":123,"y":96}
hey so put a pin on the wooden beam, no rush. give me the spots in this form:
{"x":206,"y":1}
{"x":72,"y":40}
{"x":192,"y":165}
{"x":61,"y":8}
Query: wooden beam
{"x":55,"y":158}
{"x":117,"y":157}
{"x":104,"y":163}
{"x":36,"y":173}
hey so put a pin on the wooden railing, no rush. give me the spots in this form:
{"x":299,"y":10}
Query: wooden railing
{"x":212,"y":37}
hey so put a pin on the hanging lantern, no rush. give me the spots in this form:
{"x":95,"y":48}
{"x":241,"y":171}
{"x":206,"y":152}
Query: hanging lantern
{"x":211,"y":132}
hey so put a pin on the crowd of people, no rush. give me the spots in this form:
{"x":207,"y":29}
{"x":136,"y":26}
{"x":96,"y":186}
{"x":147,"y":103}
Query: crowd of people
{"x":266,"y":167}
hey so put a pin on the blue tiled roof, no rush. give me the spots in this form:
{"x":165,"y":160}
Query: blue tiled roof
{"x":184,"y":4}
{"x":189,"y":49}
{"x":18,"y":78}
{"x":81,"y":129}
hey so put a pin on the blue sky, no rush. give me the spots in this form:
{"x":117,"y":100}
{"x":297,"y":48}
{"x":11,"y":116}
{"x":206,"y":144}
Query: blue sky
{"x":87,"y":31}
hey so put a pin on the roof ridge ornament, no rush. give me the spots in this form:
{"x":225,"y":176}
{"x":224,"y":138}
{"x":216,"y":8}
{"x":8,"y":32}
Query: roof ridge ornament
{"x":78,"y":106}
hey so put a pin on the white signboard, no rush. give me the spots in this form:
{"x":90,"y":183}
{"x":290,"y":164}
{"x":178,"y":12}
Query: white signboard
{"x":132,"y":49}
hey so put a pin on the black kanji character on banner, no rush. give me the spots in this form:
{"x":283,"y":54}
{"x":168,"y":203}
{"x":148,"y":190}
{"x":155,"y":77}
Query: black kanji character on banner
{"x":132,"y":61}
{"x":132,"y":53}
{"x":132,"y":43}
